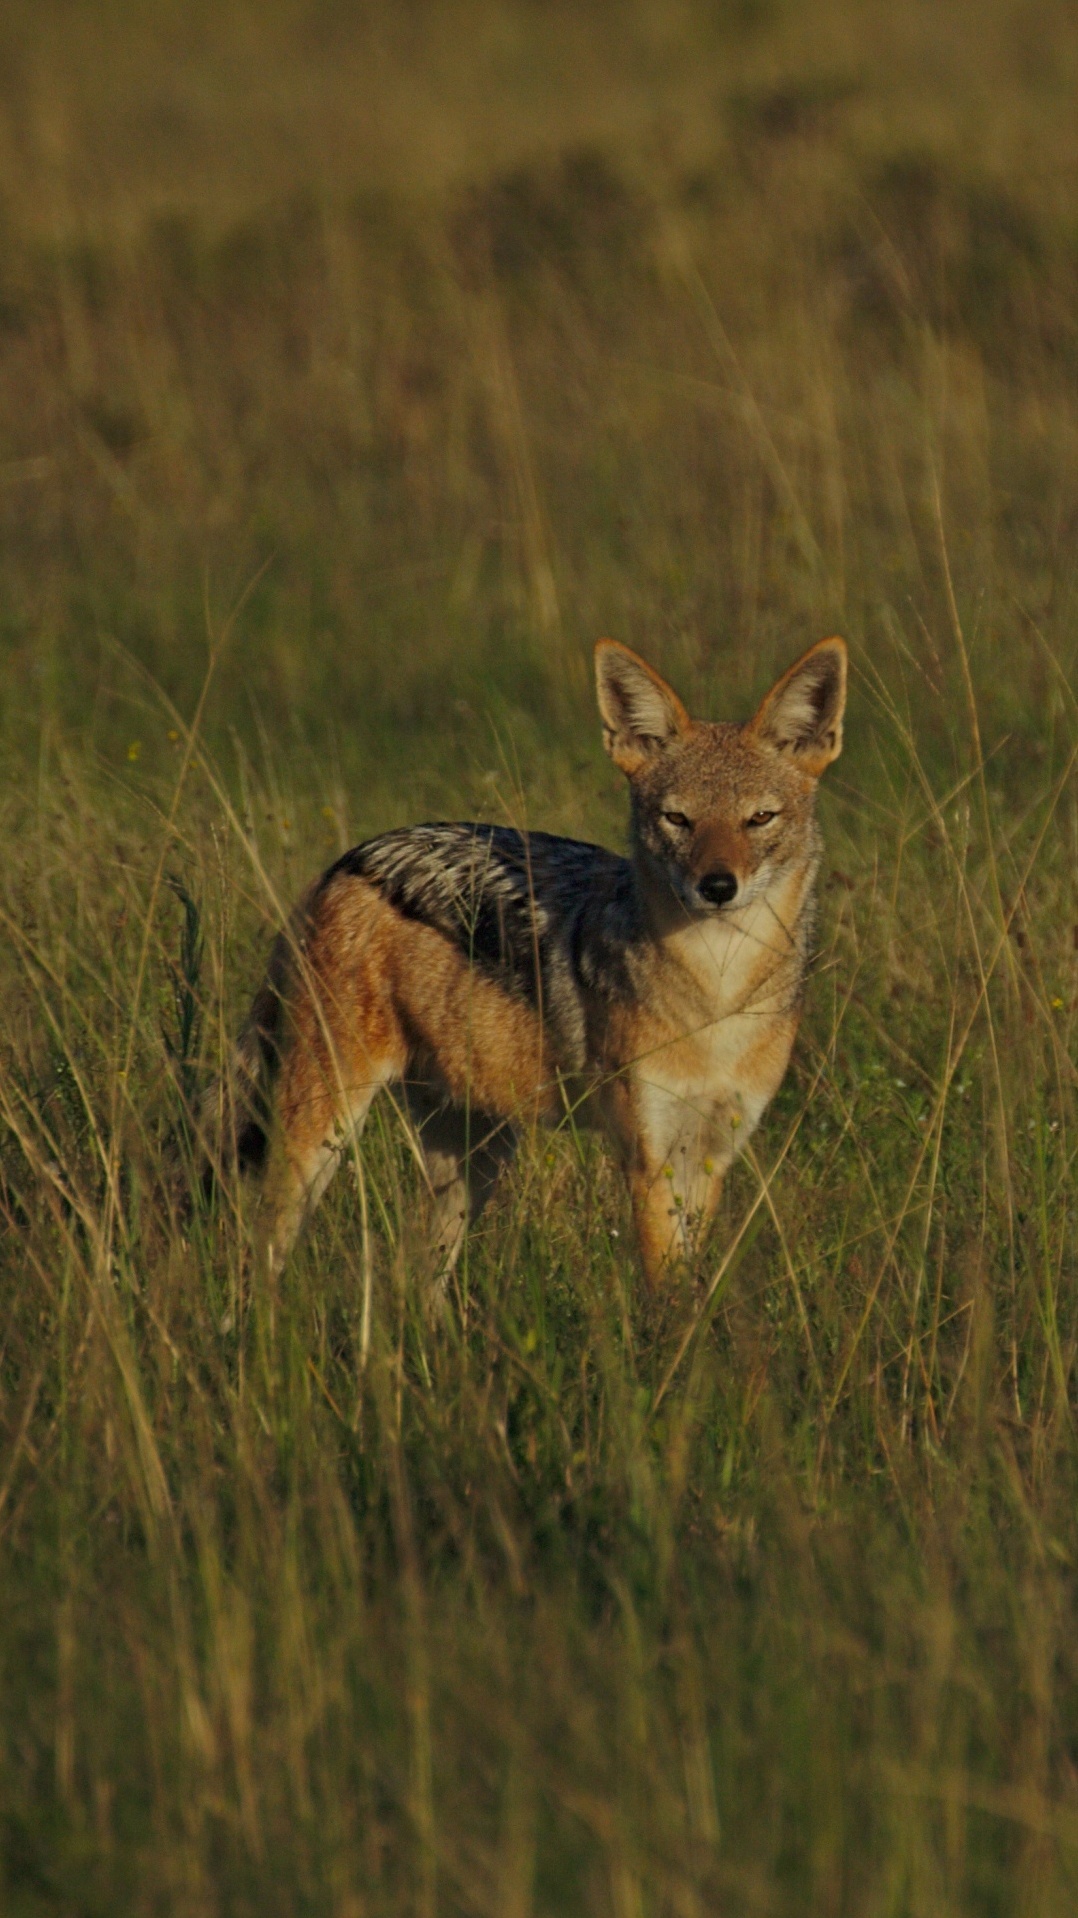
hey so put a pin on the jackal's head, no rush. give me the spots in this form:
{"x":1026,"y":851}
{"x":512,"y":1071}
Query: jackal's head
{"x":723,"y":810}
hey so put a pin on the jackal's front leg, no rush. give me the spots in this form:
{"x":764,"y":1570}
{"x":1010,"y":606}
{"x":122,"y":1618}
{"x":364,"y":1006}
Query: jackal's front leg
{"x":676,"y":1153}
{"x":673,"y":1203}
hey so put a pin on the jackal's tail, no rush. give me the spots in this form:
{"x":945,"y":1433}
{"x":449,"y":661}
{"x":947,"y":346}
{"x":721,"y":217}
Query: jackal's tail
{"x":238,"y":1107}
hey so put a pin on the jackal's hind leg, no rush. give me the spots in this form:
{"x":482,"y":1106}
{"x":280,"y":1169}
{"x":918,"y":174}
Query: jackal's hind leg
{"x":464,"y":1153}
{"x":308,"y":1143}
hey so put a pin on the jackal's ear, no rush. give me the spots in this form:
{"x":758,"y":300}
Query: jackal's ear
{"x":802,"y":714}
{"x":640,"y":713}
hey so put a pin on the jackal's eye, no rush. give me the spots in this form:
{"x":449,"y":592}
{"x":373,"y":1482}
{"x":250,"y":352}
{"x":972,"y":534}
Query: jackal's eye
{"x":761,"y":818}
{"x":678,"y":821}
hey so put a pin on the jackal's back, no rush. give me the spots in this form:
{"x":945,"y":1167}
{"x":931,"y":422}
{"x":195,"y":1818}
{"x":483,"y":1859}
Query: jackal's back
{"x":550,"y":920}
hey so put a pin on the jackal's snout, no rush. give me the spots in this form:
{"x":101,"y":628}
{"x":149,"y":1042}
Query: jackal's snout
{"x":718,"y":887}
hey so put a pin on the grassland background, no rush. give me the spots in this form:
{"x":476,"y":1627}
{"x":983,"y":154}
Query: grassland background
{"x":358,"y":367}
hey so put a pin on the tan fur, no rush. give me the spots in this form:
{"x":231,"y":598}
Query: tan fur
{"x":661,"y":999}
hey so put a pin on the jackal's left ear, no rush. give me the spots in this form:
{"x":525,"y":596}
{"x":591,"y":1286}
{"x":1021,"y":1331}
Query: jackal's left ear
{"x":802,"y":714}
{"x":639,"y":711}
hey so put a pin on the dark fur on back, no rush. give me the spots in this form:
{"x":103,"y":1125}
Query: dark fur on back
{"x":545,"y":917}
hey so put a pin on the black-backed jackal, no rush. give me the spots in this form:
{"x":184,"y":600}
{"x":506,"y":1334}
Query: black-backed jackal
{"x":493,"y":977}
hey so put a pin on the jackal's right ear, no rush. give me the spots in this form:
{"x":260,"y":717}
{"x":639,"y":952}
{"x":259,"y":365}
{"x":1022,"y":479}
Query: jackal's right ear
{"x":640,"y":713}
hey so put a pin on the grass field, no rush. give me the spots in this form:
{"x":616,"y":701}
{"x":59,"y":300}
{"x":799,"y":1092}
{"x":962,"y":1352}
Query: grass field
{"x":359,"y":366}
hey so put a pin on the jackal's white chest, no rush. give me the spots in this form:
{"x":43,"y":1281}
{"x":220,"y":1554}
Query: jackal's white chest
{"x":704,"y":1092}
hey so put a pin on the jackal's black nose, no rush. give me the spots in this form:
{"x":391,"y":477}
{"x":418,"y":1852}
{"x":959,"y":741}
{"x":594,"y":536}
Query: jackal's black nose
{"x":718,"y":886}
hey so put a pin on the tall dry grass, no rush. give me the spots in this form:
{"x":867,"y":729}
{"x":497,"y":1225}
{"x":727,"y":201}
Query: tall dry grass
{"x":356,"y":371}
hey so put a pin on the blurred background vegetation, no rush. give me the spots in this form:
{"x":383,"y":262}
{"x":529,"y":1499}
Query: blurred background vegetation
{"x":359,"y":366}
{"x":474,"y":330}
